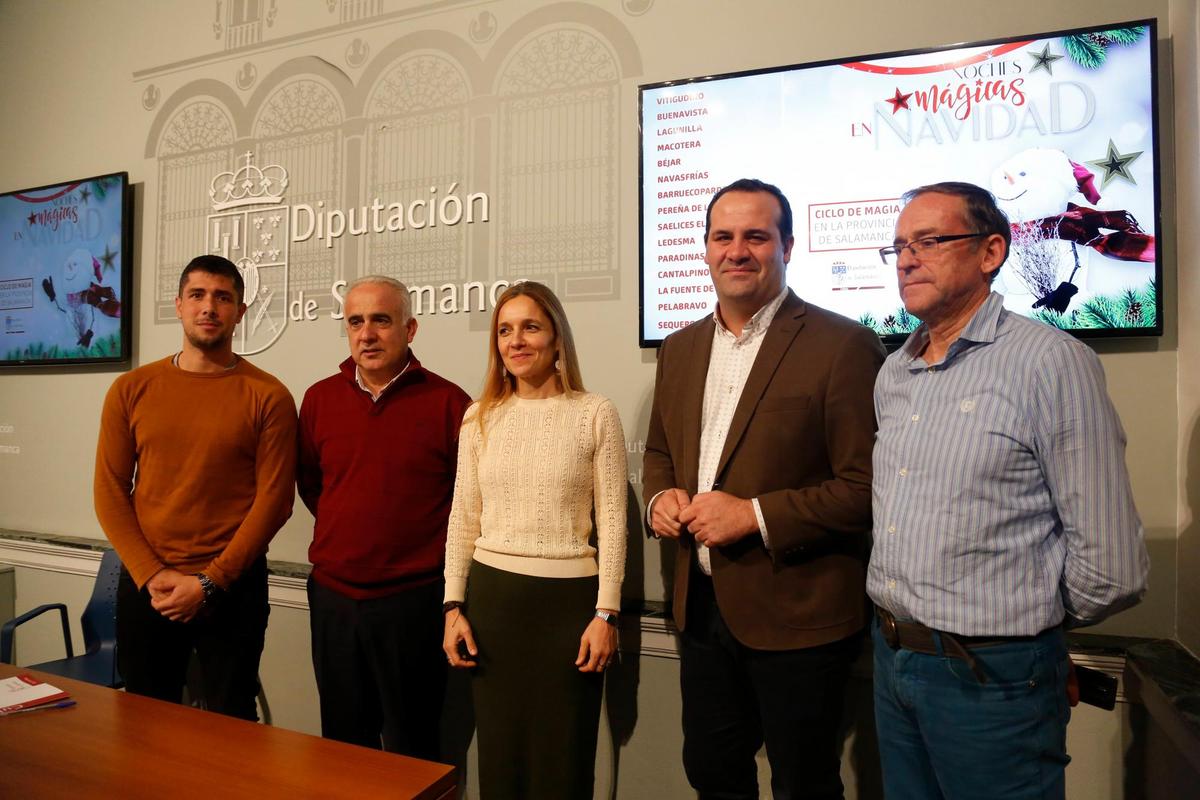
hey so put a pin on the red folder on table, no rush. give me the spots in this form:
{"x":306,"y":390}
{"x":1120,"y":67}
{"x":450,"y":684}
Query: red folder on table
{"x":25,"y":691}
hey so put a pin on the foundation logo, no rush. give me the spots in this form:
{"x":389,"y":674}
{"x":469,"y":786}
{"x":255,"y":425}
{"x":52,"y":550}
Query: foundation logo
{"x":839,"y":272}
{"x":249,"y":226}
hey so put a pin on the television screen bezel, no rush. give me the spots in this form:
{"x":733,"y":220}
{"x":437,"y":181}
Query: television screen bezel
{"x":896,"y":339}
{"x":126,"y":279}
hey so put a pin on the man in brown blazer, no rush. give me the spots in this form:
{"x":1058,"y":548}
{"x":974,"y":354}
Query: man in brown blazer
{"x":758,"y":462}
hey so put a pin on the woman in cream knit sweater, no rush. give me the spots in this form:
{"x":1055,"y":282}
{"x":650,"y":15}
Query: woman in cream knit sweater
{"x":539,"y":459}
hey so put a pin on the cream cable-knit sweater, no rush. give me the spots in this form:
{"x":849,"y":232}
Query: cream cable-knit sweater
{"x":523,"y":503}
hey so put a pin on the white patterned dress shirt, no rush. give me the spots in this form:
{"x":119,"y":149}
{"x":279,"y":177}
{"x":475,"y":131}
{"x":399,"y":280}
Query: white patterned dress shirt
{"x":728,"y":367}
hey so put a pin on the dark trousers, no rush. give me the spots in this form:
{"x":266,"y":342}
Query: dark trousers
{"x":380,"y":669}
{"x":536,"y":715}
{"x":943,"y":735}
{"x":227,"y":637}
{"x":736,"y":698}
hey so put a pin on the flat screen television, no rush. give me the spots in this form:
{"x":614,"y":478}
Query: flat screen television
{"x":1060,"y":126}
{"x":66,"y":272}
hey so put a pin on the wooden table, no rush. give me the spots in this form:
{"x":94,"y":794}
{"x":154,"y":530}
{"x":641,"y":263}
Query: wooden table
{"x":113,"y":744}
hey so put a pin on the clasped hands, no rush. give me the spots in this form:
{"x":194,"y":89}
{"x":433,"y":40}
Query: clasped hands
{"x":176,"y":596}
{"x":712,"y":518}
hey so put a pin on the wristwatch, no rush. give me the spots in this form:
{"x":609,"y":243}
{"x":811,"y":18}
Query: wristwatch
{"x":206,"y":583}
{"x":608,"y":616}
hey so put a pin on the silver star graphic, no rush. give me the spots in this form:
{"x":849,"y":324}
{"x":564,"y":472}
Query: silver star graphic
{"x":1116,"y":164}
{"x":1043,"y":60}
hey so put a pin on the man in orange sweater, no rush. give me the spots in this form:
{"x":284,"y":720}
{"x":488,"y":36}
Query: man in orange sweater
{"x":212,"y":440}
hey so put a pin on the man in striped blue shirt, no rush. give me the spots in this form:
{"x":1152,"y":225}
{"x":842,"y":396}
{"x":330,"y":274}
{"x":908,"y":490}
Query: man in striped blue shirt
{"x":1002,"y":514}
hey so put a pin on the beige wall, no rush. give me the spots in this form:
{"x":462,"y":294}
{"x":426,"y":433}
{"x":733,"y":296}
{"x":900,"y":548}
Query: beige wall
{"x":76,"y":74}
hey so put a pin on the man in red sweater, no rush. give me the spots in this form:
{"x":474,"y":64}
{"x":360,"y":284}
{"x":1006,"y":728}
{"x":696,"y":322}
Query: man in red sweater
{"x":378,"y":450}
{"x":212,"y":440}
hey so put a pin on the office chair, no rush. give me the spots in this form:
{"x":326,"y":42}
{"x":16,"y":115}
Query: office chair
{"x":98,"y":664}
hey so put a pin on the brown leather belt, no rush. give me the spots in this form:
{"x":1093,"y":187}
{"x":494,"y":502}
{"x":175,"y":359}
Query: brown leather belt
{"x":920,"y":639}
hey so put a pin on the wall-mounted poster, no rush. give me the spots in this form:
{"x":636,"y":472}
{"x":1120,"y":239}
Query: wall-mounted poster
{"x":65,"y":272}
{"x":1061,"y":127}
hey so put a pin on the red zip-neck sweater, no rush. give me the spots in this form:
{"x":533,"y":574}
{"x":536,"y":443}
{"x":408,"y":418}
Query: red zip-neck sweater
{"x":378,"y":475}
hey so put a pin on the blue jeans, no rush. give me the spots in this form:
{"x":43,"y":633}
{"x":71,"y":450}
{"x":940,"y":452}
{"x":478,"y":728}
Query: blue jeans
{"x":943,"y":734}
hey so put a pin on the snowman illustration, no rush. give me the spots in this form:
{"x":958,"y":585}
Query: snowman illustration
{"x":79,"y":295}
{"x":1054,"y":238}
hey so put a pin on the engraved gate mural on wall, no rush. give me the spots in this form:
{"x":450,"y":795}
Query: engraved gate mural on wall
{"x":389,"y":102}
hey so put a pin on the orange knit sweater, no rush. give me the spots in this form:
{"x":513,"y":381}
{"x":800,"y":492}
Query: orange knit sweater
{"x":215,"y":458}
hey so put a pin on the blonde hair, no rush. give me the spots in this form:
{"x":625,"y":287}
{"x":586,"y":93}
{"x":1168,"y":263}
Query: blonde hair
{"x":498,"y":385}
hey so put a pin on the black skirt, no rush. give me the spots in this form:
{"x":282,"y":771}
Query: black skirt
{"x":536,"y":714}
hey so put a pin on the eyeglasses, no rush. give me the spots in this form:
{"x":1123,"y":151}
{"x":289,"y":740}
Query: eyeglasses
{"x":923,"y":246}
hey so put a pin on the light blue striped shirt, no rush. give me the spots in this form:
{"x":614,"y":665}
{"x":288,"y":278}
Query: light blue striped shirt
{"x":1001,"y":497}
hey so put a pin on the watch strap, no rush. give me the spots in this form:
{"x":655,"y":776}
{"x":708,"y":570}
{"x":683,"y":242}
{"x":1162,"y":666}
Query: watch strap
{"x":608,"y":616}
{"x":206,"y":583}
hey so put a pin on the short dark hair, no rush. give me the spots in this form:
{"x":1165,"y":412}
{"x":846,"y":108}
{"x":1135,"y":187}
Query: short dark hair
{"x":755,"y":185}
{"x":982,"y":213}
{"x":214,"y":265}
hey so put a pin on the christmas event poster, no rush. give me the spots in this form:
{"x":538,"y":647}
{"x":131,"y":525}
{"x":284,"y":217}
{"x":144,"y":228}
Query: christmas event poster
{"x":61,"y":267}
{"x":1060,"y":129}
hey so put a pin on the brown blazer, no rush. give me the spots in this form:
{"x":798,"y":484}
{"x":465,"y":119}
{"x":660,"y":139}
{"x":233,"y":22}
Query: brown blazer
{"x":800,"y":442}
